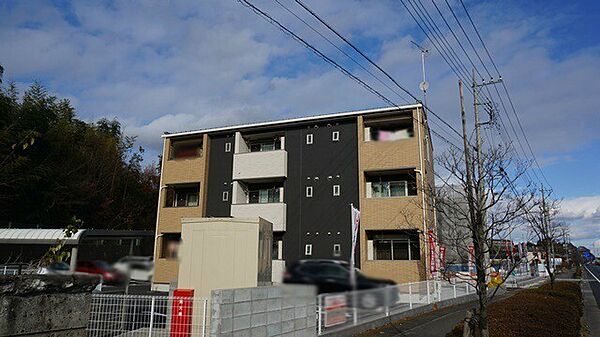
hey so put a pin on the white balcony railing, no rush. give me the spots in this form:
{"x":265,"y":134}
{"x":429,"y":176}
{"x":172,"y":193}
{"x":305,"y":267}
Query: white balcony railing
{"x":260,"y":165}
{"x":272,"y":212}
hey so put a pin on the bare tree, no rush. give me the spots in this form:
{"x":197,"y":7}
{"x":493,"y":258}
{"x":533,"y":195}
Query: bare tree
{"x":480,"y":202}
{"x":546,"y":229}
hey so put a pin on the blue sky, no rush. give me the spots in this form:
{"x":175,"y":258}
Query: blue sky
{"x":177,"y":65}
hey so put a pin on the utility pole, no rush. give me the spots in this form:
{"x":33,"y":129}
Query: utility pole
{"x":481,"y":199}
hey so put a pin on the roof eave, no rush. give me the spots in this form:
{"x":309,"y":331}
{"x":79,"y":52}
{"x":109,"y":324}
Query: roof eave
{"x":292,"y":120}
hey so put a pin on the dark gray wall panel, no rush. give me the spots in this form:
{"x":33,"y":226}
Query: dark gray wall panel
{"x":332,"y":163}
{"x":220,"y":166}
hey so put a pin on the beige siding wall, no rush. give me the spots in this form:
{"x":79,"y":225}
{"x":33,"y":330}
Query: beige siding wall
{"x":178,"y":171}
{"x":165,"y":270}
{"x":392,"y":213}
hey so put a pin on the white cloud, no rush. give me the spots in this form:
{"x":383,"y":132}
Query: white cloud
{"x":169,"y":66}
{"x":582,"y":214}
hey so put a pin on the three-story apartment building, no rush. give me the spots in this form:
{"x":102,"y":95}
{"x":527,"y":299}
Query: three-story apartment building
{"x":302,"y":175}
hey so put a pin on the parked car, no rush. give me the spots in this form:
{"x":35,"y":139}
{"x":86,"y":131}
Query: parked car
{"x":56,"y":268}
{"x":139,"y":268}
{"x":332,"y":276}
{"x":109,"y":274}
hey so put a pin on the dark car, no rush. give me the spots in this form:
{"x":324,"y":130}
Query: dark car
{"x":109,"y":274}
{"x":332,"y":276}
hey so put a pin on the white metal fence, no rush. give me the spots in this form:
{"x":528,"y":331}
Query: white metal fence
{"x":17,"y":269}
{"x":339,"y":311}
{"x":141,"y":315}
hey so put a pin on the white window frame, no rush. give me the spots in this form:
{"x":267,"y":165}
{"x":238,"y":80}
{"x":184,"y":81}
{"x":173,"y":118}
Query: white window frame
{"x":308,"y":249}
{"x":309,"y":138}
{"x":388,"y":190}
{"x":228,"y":147}
{"x":337,"y":250}
{"x":225,"y":196}
{"x":309,"y":191}
{"x":335,"y":136}
{"x":336,"y":190}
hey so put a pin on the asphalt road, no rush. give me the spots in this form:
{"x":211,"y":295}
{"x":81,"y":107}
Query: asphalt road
{"x":594,"y":281}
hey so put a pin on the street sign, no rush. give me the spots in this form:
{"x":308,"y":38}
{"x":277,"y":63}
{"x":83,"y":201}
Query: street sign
{"x":335,"y":310}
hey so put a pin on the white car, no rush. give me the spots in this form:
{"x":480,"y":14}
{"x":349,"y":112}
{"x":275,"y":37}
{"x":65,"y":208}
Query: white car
{"x":55,"y":268}
{"x":138,"y":268}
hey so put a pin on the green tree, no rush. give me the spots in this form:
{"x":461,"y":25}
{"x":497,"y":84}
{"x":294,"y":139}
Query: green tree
{"x":54,"y":166}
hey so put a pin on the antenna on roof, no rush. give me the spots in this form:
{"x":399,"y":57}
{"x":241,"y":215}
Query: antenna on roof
{"x":423,"y":85}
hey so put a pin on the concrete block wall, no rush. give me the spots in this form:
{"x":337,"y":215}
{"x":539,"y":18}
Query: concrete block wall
{"x":46,"y":305}
{"x":288,"y":310}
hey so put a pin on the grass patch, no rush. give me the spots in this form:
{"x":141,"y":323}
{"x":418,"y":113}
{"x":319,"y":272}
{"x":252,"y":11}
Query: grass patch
{"x":544,"y":311}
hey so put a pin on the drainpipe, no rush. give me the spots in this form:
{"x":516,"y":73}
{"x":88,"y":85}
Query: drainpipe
{"x":420,"y":171}
{"x":160,"y":189}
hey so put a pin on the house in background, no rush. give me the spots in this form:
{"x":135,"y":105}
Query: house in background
{"x":302,"y":175}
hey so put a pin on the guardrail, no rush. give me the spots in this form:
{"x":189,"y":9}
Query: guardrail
{"x":142,"y":315}
{"x":339,"y":311}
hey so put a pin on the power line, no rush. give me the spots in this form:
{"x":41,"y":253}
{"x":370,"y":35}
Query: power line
{"x":340,"y":49}
{"x":480,"y":39}
{"x":467,"y":36}
{"x":505,"y":89}
{"x":307,"y":45}
{"x":333,"y":30}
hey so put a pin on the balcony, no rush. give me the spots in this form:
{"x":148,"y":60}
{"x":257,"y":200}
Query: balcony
{"x":272,"y":212}
{"x":260,"y":165}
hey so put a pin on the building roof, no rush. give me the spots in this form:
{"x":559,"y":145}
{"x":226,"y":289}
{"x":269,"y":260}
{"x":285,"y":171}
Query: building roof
{"x":51,"y":236}
{"x":293,"y":120}
{"x":37,"y":236}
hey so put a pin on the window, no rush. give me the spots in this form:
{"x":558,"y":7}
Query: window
{"x":277,"y":246}
{"x":263,"y":195}
{"x":225,"y":196}
{"x":265,"y":145}
{"x":309,"y":191}
{"x":389,"y":129}
{"x":394,"y":184}
{"x":182,"y":195}
{"x":185,"y":148}
{"x":170,"y":245}
{"x":228,"y":147}
{"x":308,"y":249}
{"x":336,"y":190}
{"x":394,"y":245}
{"x":335,"y":136}
{"x":309,"y":138}
{"x":386,"y":189}
{"x":337,"y":250}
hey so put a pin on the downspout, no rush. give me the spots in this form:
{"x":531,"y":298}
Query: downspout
{"x":421,"y":174}
{"x":160,"y":188}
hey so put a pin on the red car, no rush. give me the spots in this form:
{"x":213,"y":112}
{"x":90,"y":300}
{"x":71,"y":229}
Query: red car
{"x":109,"y":274}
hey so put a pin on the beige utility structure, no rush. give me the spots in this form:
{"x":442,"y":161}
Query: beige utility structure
{"x":224,"y":253}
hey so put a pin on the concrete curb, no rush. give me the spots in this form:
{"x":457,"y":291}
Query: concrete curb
{"x":379,"y":322}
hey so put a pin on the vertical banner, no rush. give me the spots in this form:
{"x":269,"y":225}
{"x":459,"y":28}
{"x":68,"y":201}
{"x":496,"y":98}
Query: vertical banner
{"x":442,"y":257}
{"x":471,"y":258}
{"x":520,"y":250}
{"x":355,"y":216}
{"x":432,"y":253}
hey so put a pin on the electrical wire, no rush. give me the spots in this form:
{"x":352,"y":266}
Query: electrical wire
{"x":307,"y":45}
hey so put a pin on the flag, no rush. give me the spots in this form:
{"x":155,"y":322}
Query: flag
{"x":432,"y":253}
{"x":443,"y":257}
{"x":355,"y":216}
